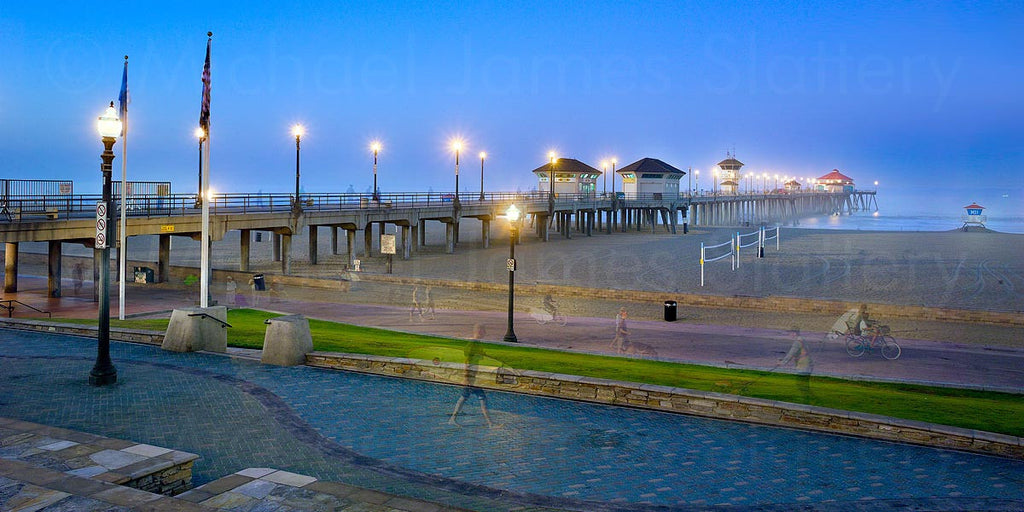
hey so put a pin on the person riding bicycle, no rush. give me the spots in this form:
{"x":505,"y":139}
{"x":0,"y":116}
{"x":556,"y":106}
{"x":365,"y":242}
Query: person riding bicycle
{"x":550,"y":306}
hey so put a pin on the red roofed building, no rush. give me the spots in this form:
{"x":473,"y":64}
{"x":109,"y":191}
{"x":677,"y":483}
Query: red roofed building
{"x":835,"y":182}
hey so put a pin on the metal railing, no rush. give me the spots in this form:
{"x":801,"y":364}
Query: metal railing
{"x":9,"y":306}
{"x":19,"y":207}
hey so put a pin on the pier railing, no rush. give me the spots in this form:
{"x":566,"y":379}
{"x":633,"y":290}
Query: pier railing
{"x":18,"y":207}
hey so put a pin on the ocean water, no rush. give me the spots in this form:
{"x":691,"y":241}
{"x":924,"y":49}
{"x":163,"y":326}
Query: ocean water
{"x":882,"y":221}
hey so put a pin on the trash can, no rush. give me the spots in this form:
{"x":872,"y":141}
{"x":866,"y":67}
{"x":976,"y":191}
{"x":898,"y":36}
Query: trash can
{"x":686,"y":228}
{"x":144,"y":275}
{"x":259,"y":282}
{"x":670,"y":311}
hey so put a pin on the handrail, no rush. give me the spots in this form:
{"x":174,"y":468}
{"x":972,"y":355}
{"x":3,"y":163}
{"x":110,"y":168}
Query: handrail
{"x":222,"y":323}
{"x":81,"y":206}
{"x":10,"y":307}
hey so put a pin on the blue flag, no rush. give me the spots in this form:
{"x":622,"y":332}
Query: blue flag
{"x":122,"y":99}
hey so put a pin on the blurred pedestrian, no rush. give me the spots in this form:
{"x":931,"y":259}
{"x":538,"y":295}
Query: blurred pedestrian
{"x":474,"y":353}
{"x":621,"y":340}
{"x":800,"y":356}
{"x":230,"y":290}
{"x":416,"y":308}
{"x":430,"y":304}
{"x":76,"y":277}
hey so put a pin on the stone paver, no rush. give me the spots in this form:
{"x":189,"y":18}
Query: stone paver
{"x":546,"y":454}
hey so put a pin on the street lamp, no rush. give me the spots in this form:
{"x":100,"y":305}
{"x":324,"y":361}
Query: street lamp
{"x":457,"y":147}
{"x":103,"y":372}
{"x":604,"y":172}
{"x":512,"y":214}
{"x":614,"y":161}
{"x":696,"y":180}
{"x":376,"y":148}
{"x":201,"y":135}
{"x":298,"y":131}
{"x":776,"y":183}
{"x":483,"y":155}
{"x":551,"y":172}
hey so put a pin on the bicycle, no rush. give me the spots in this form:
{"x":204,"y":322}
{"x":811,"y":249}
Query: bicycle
{"x":858,"y":344}
{"x":542,"y":317}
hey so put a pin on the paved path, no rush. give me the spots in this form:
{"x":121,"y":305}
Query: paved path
{"x":926,"y":361}
{"x":393,"y":435}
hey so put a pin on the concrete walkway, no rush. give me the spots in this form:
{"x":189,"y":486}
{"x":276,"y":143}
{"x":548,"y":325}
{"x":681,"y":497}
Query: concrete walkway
{"x":691,"y":339}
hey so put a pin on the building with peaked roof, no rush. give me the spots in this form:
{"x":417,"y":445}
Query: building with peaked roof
{"x":571,"y":176}
{"x":835,"y":181}
{"x":973,"y":216}
{"x":792,"y":186}
{"x":729,"y":173}
{"x":650,"y":176}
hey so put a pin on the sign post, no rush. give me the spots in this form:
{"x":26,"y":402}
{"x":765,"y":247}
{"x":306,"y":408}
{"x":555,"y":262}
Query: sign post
{"x":102,"y":229}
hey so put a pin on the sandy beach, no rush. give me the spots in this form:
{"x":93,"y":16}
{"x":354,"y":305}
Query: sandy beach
{"x":954,"y":269}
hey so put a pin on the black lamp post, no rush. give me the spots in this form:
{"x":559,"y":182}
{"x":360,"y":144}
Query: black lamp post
{"x":457,"y":146}
{"x":512,"y":214}
{"x":483,"y":155}
{"x":297,"y":131}
{"x":103,"y":372}
{"x":376,"y":148}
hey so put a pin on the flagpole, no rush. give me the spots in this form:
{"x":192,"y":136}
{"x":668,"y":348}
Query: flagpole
{"x":204,"y":251}
{"x":122,"y":234}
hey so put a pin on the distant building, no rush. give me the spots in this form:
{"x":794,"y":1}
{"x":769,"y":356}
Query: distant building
{"x":792,"y":186}
{"x":730,"y":175}
{"x":835,"y":182}
{"x":650,"y":176}
{"x":973,"y":216}
{"x":570,"y":177}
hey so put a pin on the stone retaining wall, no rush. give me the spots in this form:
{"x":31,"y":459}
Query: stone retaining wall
{"x":699,"y":403}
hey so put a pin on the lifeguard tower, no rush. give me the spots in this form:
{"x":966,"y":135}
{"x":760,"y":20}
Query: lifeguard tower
{"x":973,"y":216}
{"x":730,"y":175}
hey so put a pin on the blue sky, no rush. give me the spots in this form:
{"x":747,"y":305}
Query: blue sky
{"x":923,"y":97}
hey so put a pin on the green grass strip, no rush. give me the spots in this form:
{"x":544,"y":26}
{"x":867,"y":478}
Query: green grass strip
{"x":981,"y":410}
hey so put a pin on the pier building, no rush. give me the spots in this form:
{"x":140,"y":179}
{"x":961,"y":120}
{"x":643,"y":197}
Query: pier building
{"x":836,"y":182}
{"x":650,"y":176}
{"x":729,"y":173}
{"x":569,"y":176}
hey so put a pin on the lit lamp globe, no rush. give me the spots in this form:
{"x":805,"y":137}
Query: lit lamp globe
{"x":512,"y":214}
{"x":108,"y":124}
{"x":200,"y":133}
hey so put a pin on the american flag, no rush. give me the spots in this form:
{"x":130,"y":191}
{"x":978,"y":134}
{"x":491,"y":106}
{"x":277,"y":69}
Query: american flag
{"x":204,"y":114}
{"x":123,"y":100}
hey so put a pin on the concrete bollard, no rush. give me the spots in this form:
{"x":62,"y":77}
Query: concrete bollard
{"x":192,"y":329}
{"x":287,"y":341}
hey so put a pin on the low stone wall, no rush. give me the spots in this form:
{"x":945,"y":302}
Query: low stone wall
{"x":86,"y":331}
{"x":699,"y":403}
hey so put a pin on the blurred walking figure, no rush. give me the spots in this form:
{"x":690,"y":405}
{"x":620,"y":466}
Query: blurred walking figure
{"x":430,"y":304}
{"x":800,"y":356}
{"x":621,"y":341}
{"x":230,"y":289}
{"x":253,"y":293}
{"x":474,"y":352}
{"x":416,"y":308}
{"x":76,"y":277}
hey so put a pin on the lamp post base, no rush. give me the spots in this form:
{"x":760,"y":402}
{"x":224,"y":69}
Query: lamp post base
{"x":103,"y":377}
{"x":510,"y":337}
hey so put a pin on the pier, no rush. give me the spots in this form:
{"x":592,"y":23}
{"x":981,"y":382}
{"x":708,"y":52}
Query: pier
{"x":58,"y":218}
